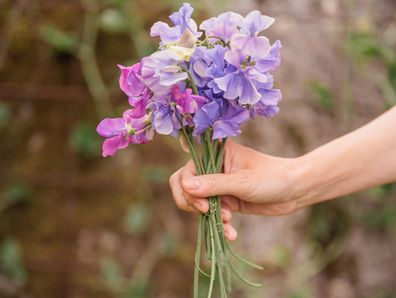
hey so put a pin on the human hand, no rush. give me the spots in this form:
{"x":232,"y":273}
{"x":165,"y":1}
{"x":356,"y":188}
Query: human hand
{"x":252,"y":182}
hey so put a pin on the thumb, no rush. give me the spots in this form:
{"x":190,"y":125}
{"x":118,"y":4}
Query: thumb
{"x":236,"y":184}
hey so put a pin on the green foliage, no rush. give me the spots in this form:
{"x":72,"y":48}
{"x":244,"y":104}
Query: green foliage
{"x":322,"y":95}
{"x":11,"y":261}
{"x":169,"y":243}
{"x":5,"y":114}
{"x":112,"y":274}
{"x":367,"y":46}
{"x":381,"y":217}
{"x":137,"y":219}
{"x":281,"y":256}
{"x":298,"y":294}
{"x":85,"y":141}
{"x":113,"y":21}
{"x":364,"y":45}
{"x":17,"y":193}
{"x":61,"y":41}
{"x":328,"y":221}
{"x":137,"y":289}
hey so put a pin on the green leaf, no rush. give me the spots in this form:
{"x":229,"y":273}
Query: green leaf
{"x":60,"y":41}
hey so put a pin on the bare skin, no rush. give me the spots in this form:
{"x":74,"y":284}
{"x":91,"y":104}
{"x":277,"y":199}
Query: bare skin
{"x":256,"y":183}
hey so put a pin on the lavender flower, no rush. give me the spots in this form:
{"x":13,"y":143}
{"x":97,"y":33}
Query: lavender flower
{"x":182,"y":21}
{"x":224,"y":116}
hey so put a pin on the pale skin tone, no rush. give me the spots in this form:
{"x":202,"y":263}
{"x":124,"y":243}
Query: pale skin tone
{"x":256,"y":183}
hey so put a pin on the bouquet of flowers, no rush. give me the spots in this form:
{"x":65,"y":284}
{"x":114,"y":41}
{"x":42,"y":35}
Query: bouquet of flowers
{"x":202,"y":85}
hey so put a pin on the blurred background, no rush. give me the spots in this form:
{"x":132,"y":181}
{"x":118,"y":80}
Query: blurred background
{"x":73,"y":224}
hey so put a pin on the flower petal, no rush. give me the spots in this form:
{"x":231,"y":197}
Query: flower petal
{"x":110,"y":127}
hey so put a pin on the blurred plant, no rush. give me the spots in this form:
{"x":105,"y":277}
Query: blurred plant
{"x":322,"y":95}
{"x":85,"y":141}
{"x":365,"y":46}
{"x":11,"y":261}
{"x":14,"y":194}
{"x":137,"y":219}
{"x":61,"y":41}
{"x":383,"y":215}
{"x":298,"y":294}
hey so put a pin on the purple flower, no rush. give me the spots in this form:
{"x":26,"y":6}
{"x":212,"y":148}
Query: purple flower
{"x":132,"y":84}
{"x":179,"y":107}
{"x":182,"y":21}
{"x":186,"y":102}
{"x":223,"y":26}
{"x":268,"y":104}
{"x":120,"y":132}
{"x":272,"y":60}
{"x":223,"y":116}
{"x":248,"y":41}
{"x":241,"y":80}
{"x":162,"y":70}
{"x":207,"y":64}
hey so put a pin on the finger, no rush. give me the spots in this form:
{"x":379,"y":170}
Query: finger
{"x":177,"y":192}
{"x":229,"y":232}
{"x":226,"y":215}
{"x":201,"y":204}
{"x":238,"y":184}
{"x":183,"y":144}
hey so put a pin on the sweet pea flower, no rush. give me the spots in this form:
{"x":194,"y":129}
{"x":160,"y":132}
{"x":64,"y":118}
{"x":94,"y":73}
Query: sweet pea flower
{"x":180,"y":106}
{"x":222,"y":27}
{"x":240,"y":83}
{"x":120,"y":132}
{"x":132,"y":84}
{"x":182,"y":21}
{"x":223,"y":116}
{"x":248,"y":41}
{"x":162,"y":70}
{"x":207,"y":64}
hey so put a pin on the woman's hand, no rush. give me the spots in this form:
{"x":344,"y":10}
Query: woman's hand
{"x":252,"y":183}
{"x":261,"y":184}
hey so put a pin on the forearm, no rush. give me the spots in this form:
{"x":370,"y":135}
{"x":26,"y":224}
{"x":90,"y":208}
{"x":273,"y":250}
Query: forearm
{"x":359,"y":160}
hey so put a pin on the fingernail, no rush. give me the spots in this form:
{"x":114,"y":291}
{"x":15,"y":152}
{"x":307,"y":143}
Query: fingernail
{"x":199,"y":206}
{"x":192,"y":183}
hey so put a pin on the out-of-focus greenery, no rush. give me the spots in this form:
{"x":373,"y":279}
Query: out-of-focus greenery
{"x":11,"y":261}
{"x":365,"y":47}
{"x":323,"y":95}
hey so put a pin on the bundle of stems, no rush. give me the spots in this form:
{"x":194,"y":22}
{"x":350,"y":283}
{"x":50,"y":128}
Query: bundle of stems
{"x":208,"y":159}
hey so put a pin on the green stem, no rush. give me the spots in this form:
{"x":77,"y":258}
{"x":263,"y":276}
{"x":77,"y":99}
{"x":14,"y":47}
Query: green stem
{"x":239,"y":275}
{"x":198,"y":257}
{"x":213,"y":267}
{"x":244,"y":261}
